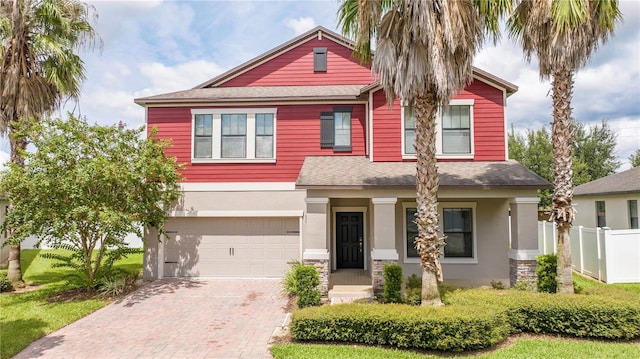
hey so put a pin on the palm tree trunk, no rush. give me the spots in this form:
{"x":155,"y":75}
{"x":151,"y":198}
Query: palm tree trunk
{"x":428,"y":241}
{"x":18,"y":145}
{"x":561,"y":137}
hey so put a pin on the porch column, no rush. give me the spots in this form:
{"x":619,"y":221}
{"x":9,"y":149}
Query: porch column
{"x":315,"y":244}
{"x":524,"y":240}
{"x":384,"y":240}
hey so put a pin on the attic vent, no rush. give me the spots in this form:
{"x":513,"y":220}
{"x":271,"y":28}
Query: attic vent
{"x":320,"y":59}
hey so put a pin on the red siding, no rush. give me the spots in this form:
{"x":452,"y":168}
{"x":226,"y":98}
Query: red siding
{"x":488,"y":117}
{"x":297,"y":136}
{"x":295,"y":68}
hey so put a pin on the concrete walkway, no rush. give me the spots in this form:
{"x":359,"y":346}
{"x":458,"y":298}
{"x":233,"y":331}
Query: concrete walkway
{"x":208,"y":318}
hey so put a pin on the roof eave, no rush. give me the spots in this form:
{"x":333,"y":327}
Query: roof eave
{"x":164,"y":101}
{"x":412,"y":187}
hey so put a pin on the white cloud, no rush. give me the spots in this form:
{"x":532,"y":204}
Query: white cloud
{"x":300,"y":25}
{"x":180,"y":77}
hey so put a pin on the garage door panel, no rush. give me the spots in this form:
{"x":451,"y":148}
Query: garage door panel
{"x":231,"y":246}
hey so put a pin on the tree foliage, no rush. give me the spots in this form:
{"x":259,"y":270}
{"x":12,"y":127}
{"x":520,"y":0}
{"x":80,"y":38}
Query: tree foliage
{"x":592,"y":152}
{"x":634,"y":158}
{"x":87,"y":186}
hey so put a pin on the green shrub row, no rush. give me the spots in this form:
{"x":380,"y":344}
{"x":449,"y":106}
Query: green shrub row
{"x":307,"y":280}
{"x":402,"y":326}
{"x":472,"y":319}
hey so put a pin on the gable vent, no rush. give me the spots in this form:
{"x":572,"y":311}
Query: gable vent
{"x":320,"y":59}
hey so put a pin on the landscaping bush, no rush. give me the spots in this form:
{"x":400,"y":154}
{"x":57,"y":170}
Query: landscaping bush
{"x":546,"y":272}
{"x":307,"y":281}
{"x":446,"y":328}
{"x":413,"y":290}
{"x":5,"y":283}
{"x":289,"y":281}
{"x":392,"y":283}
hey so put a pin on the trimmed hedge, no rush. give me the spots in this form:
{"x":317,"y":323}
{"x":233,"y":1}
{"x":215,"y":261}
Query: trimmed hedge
{"x":402,"y":326}
{"x":472,"y":319}
{"x":546,"y":272}
{"x":307,"y":280}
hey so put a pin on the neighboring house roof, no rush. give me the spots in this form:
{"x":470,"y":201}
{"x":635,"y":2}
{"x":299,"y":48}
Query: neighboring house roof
{"x":359,"y":172}
{"x":619,"y":183}
{"x":257,"y":94}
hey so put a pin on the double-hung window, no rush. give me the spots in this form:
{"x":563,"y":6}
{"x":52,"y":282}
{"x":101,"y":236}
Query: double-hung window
{"x":457,"y":223}
{"x":234,"y":135}
{"x":335,"y":129}
{"x":454,"y":130}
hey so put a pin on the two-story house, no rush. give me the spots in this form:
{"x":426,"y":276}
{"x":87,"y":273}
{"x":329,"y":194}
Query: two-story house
{"x":295,"y":155}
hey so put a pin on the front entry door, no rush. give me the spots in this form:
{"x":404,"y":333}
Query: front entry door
{"x":349,"y":240}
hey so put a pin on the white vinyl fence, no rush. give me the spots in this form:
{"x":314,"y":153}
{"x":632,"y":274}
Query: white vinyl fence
{"x":612,"y":256}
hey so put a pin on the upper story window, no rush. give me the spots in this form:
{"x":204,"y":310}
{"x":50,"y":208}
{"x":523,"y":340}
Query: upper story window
{"x":454,"y":131}
{"x":234,"y":135}
{"x":457,"y":223}
{"x":601,"y":214}
{"x":633,"y":214}
{"x":335,"y":129}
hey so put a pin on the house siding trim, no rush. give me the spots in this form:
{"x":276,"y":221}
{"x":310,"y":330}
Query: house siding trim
{"x":237,"y":186}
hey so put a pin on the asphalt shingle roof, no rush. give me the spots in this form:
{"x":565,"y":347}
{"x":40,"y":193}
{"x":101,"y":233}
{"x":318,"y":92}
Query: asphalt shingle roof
{"x":619,"y":183}
{"x":257,"y":93}
{"x":360,"y":172}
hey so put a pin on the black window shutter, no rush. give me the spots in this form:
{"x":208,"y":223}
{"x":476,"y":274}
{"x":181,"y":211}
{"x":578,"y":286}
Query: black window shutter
{"x":320,"y":59}
{"x":326,"y":129}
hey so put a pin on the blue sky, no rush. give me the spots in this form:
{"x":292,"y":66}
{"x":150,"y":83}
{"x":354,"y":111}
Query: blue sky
{"x":153,"y":47}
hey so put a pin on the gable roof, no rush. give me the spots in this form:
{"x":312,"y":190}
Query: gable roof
{"x":359,"y":172}
{"x":320,"y":31}
{"x":618,"y":183}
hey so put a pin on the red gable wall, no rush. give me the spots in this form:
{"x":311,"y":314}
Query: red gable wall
{"x":295,"y":68}
{"x":488,"y":119}
{"x":297,"y":136}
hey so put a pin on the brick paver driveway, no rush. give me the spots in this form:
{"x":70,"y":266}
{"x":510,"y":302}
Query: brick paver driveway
{"x":209,"y":318}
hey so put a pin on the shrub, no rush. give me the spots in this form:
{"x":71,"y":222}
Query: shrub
{"x":497,"y":284}
{"x":446,"y":328}
{"x":392,"y":283}
{"x":289,"y":281}
{"x":5,"y":283}
{"x":546,"y":272}
{"x":117,"y":284}
{"x":307,"y":281}
{"x":413,"y":290}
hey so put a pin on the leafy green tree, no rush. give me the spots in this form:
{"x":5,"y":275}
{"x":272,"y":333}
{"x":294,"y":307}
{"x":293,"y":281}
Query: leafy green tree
{"x":594,"y":147}
{"x":38,"y":69}
{"x":424,"y":55}
{"x":86,"y":187}
{"x":634,"y":158}
{"x":592,"y":152}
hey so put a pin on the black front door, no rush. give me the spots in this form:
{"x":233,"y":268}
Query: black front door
{"x":349,"y":240}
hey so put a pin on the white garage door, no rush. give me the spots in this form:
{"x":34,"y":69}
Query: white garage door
{"x":239,"y":247}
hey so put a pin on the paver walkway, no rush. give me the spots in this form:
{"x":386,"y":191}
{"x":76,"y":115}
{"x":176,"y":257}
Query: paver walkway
{"x":181,"y":318}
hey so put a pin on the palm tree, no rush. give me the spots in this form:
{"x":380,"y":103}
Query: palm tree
{"x":38,"y":69}
{"x":562,"y":34}
{"x":424,"y":56}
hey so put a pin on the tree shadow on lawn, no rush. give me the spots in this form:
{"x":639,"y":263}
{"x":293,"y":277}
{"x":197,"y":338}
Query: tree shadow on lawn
{"x":162,"y":286}
{"x":19,"y":333}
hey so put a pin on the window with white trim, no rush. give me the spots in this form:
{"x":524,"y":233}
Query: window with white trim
{"x":454,"y":130}
{"x":335,"y":129}
{"x":457,"y":223}
{"x":234,"y":135}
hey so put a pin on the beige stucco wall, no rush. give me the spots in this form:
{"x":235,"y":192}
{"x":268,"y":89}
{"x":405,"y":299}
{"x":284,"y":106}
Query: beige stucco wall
{"x":616,"y":207}
{"x":242,"y":201}
{"x":492,"y":231}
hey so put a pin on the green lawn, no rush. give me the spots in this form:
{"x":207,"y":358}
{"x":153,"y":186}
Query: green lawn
{"x":523,"y":348}
{"x":29,"y":316}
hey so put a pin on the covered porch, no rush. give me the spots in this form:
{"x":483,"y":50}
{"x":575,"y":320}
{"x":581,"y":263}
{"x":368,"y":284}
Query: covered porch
{"x":359,"y":215}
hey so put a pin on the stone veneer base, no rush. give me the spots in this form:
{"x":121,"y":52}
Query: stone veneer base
{"x":377,"y":274}
{"x":522,"y":271}
{"x":322,"y":266}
